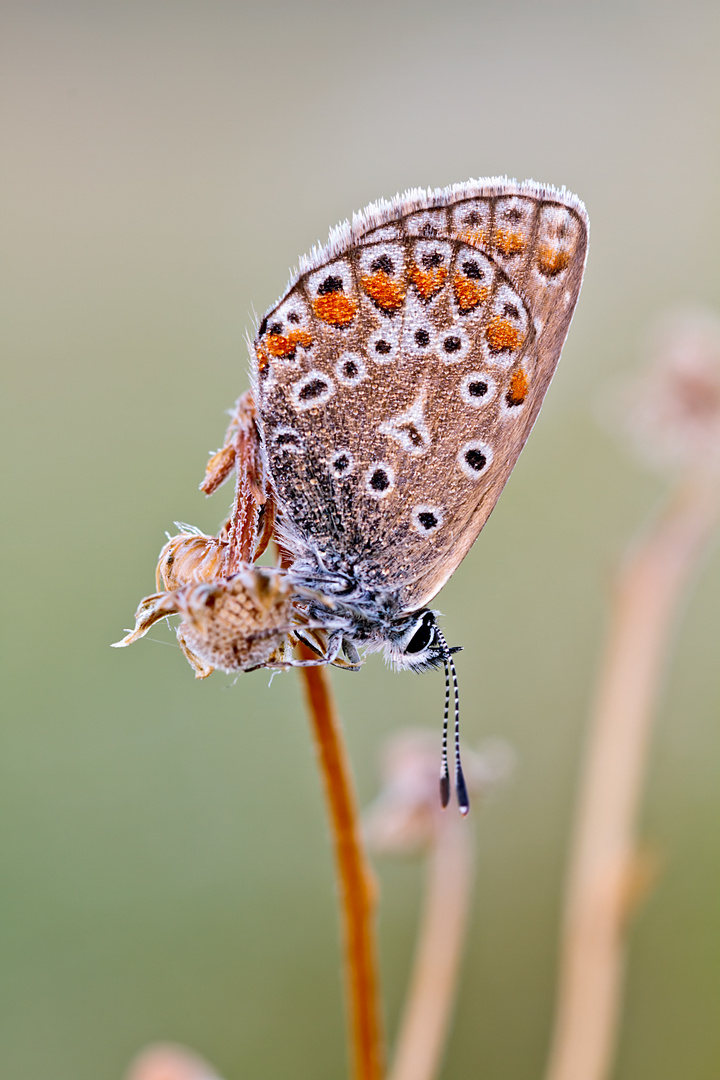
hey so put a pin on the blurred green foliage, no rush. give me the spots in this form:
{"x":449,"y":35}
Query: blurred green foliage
{"x":165,"y":865}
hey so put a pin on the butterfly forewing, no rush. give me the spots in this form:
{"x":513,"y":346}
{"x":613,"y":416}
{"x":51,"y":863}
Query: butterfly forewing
{"x":399,"y":377}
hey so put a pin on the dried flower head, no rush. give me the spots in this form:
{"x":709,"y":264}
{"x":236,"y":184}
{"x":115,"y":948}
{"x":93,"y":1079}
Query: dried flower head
{"x":235,"y":624}
{"x":406,"y":815}
{"x":674,"y":414}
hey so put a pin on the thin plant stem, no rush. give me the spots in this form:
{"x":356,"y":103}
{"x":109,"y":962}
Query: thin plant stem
{"x":433,"y":985}
{"x":604,"y":865}
{"x":357,"y":889}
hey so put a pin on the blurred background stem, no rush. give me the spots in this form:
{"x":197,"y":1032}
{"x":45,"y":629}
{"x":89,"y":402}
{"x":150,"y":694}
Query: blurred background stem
{"x":604,"y":872}
{"x":433,"y":985}
{"x":356,"y":884}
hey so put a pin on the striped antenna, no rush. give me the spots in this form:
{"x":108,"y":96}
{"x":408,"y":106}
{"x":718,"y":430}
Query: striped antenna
{"x":444,"y":770}
{"x":460,"y":785}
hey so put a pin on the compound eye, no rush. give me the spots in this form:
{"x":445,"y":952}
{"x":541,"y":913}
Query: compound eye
{"x":422,"y":636}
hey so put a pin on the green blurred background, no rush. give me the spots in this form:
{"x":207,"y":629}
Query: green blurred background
{"x":165,"y":862}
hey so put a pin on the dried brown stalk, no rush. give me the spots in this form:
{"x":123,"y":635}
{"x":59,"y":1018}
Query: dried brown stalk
{"x":604,"y":859}
{"x":357,"y":886}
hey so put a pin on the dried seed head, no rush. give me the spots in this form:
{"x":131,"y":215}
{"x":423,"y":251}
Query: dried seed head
{"x":234,"y":624}
{"x":238,"y":624}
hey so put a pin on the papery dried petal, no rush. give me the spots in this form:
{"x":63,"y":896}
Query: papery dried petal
{"x":191,"y":556}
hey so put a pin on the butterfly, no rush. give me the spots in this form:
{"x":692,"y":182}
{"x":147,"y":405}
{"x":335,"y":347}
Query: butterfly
{"x":394,"y":385}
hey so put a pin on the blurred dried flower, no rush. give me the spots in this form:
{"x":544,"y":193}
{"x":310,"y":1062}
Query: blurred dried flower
{"x":673,"y":411}
{"x":166,"y":1061}
{"x":406,"y":816}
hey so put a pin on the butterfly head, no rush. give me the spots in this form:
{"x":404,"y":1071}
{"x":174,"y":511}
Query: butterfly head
{"x":415,"y":643}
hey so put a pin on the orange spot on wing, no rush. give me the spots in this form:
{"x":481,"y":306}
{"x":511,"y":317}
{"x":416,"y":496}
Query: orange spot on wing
{"x":263,"y":359}
{"x":428,"y":282}
{"x":518,"y":389}
{"x":509,"y":243}
{"x":473,"y":237}
{"x":386,"y":293}
{"x":502,"y":336}
{"x":286,"y":344}
{"x":552,"y":260}
{"x":335,"y":308}
{"x":468,"y":293}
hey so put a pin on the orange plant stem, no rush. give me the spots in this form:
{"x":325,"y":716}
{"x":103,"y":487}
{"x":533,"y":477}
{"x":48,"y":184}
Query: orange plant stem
{"x":357,"y":890}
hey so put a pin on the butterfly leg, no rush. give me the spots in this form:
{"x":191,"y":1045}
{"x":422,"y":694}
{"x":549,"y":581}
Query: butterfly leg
{"x":354,"y":660}
{"x":328,"y":649}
